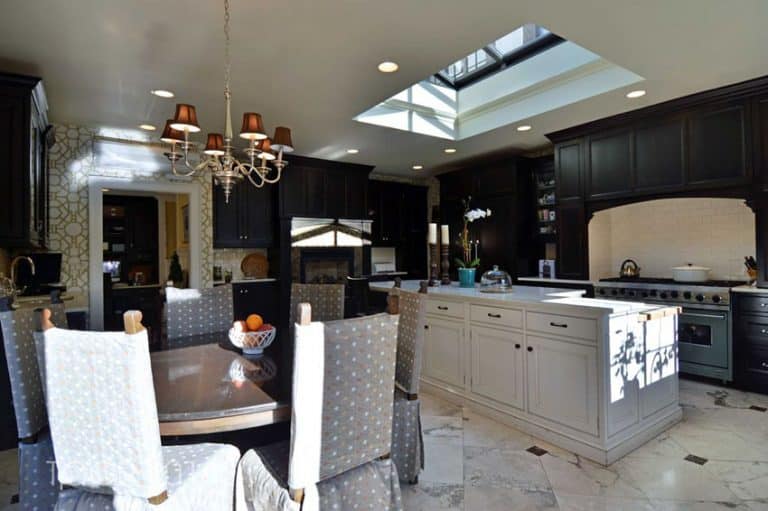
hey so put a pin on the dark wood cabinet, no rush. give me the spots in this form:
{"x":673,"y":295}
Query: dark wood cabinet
{"x":323,"y":189}
{"x":131,"y":231}
{"x":572,"y":259}
{"x":658,"y":158}
{"x":256,"y":298}
{"x":610,"y":165}
{"x":750,"y":341}
{"x":24,"y":135}
{"x":569,"y":169}
{"x":386,"y":200}
{"x":718,"y":146}
{"x":247,"y":221}
{"x":760,"y":139}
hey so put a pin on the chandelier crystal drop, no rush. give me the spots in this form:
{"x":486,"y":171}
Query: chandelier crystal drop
{"x":218,"y":157}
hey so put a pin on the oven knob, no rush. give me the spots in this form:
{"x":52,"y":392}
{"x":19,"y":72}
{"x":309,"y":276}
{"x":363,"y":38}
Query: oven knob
{"x":663,"y":295}
{"x":601,"y":291}
{"x":622,"y":292}
{"x":700,"y":298}
{"x":631,"y":293}
{"x":673,"y":294}
{"x":716,"y":298}
{"x":653,"y":293}
{"x":687,"y":295}
{"x":614,"y":292}
{"x":645,"y":294}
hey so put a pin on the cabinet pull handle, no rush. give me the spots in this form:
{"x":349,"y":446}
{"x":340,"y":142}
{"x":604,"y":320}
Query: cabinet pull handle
{"x":558,"y":325}
{"x":442,"y":308}
{"x":517,"y":346}
{"x":530,"y":348}
{"x":497,"y":316}
{"x":763,"y":364}
{"x":426,"y":327}
{"x":763,"y":331}
{"x":763,"y":304}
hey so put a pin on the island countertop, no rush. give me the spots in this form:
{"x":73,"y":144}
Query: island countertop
{"x":566,"y":300}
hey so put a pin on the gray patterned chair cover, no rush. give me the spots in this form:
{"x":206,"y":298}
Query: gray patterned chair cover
{"x":106,"y":435}
{"x":198,"y":311}
{"x":407,"y":440}
{"x":327,"y":301}
{"x":37,"y":482}
{"x":342,"y":419}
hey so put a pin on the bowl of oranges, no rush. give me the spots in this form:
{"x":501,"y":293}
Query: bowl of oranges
{"x":252,"y":335}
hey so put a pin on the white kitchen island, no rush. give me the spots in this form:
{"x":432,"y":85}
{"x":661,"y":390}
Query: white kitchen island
{"x":596,"y":377}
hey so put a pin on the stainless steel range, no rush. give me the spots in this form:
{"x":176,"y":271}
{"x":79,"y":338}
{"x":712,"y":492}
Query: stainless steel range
{"x":704,"y":333}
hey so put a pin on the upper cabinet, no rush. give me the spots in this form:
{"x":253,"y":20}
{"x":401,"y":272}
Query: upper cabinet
{"x":398,"y":212}
{"x":610,"y":164}
{"x":568,"y":169}
{"x":24,"y":141}
{"x":658,"y":158}
{"x":247,"y":221}
{"x":323,"y":189}
{"x":760,"y":138}
{"x":719,"y":145}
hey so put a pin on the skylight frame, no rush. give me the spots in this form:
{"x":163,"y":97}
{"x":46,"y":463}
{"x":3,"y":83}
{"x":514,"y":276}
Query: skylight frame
{"x":501,"y":62}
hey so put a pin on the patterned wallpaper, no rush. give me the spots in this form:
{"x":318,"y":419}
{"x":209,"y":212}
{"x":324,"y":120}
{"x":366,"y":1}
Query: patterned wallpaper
{"x":72,"y":162}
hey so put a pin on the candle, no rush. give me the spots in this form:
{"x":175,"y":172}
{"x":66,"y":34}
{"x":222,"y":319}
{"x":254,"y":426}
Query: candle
{"x":444,"y":239}
{"x":433,"y":234}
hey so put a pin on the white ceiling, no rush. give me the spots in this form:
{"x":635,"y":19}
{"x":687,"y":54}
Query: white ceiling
{"x":311,"y":64}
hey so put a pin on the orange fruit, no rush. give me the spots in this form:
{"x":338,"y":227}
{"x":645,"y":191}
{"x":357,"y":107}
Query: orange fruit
{"x":254,"y":321}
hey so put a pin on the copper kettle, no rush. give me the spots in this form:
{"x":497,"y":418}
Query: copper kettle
{"x":629,"y":269}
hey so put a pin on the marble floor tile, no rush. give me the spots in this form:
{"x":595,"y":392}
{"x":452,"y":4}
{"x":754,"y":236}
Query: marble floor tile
{"x":432,"y":405}
{"x":427,"y":496}
{"x":504,"y":468}
{"x":483,"y":498}
{"x":443,"y":429}
{"x":677,"y":505}
{"x":663,"y":446}
{"x":718,"y":444}
{"x":586,"y":478}
{"x":443,"y":463}
{"x":480,"y":431}
{"x":747,"y":480}
{"x":587,"y":503}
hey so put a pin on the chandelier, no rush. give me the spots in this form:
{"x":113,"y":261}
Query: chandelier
{"x":218,"y":157}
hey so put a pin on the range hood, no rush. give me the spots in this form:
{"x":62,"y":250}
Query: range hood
{"x":329,"y":232}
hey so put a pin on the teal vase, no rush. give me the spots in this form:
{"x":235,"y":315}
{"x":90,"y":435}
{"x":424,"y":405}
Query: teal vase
{"x":466,"y":277}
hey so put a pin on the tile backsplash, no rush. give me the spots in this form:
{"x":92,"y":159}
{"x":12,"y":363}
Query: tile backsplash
{"x":661,"y":234}
{"x":230,"y":259}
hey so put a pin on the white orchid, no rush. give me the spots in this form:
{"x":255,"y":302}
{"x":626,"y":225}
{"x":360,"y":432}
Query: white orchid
{"x":476,"y":214}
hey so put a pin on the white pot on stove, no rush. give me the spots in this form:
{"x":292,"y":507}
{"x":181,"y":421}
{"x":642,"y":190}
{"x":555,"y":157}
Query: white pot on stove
{"x":690,"y":273}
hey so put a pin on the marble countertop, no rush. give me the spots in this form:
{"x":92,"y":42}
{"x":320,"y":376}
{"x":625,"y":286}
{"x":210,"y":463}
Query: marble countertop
{"x":564,"y":299}
{"x":245,"y":281}
{"x":558,"y":281}
{"x":746,"y":288}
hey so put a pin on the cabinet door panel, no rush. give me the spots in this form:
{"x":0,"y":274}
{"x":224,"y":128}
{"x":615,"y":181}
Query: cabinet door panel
{"x":226,"y":219}
{"x":568,"y":169}
{"x":562,"y":382}
{"x":336,"y":193}
{"x":497,"y":365}
{"x":256,"y":206}
{"x":443,"y":351}
{"x":572,"y":262}
{"x":658,"y":156}
{"x":718,"y":146}
{"x":14,"y":175}
{"x":610,"y":170}
{"x":761,"y":139}
{"x":356,"y":196}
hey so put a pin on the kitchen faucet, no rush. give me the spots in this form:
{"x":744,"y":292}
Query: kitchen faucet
{"x":14,"y":264}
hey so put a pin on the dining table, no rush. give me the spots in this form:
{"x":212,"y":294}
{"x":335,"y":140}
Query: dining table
{"x":204,"y":384}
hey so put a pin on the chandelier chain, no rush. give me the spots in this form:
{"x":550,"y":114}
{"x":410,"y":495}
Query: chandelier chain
{"x":226,"y":49}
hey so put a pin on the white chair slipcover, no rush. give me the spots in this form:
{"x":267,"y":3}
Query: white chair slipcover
{"x":37,"y":483}
{"x":198,"y":311}
{"x":407,"y":440}
{"x":342,"y":420}
{"x":106,"y":436}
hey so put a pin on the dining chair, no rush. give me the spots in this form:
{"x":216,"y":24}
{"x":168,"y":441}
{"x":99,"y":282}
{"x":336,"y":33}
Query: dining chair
{"x":37,"y":483}
{"x":338,"y":454}
{"x":327,"y":301}
{"x":105,"y":430}
{"x":198,"y":311}
{"x":407,"y":437}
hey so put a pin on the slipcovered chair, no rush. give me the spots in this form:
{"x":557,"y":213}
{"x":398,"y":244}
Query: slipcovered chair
{"x":407,"y":440}
{"x":37,"y":482}
{"x":106,"y":435}
{"x":198,"y":311}
{"x":326,"y":300}
{"x":338,"y":454}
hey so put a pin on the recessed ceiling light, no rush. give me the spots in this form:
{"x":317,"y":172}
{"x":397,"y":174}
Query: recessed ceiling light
{"x":524,"y":127}
{"x":148,"y":127}
{"x":636,"y":94}
{"x":388,"y":67}
{"x":449,"y":150}
{"x":353,"y":151}
{"x":417,"y":167}
{"x":162,"y":93}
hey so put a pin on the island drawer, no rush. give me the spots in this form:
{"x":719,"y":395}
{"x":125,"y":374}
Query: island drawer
{"x":445,"y":308}
{"x":753,"y":304}
{"x":512,"y":318}
{"x":562,"y":325}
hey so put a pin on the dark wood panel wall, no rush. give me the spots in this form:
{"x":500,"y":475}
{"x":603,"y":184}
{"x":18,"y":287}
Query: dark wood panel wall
{"x":714,"y":143}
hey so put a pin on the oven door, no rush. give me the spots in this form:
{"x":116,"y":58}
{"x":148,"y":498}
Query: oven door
{"x":703,"y":337}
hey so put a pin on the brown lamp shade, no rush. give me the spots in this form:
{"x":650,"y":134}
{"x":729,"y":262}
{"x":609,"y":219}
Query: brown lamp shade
{"x":282,"y":140}
{"x":253,"y":127}
{"x":171,"y":135}
{"x":215,"y":144}
{"x":265,"y":146}
{"x":185,"y":119}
